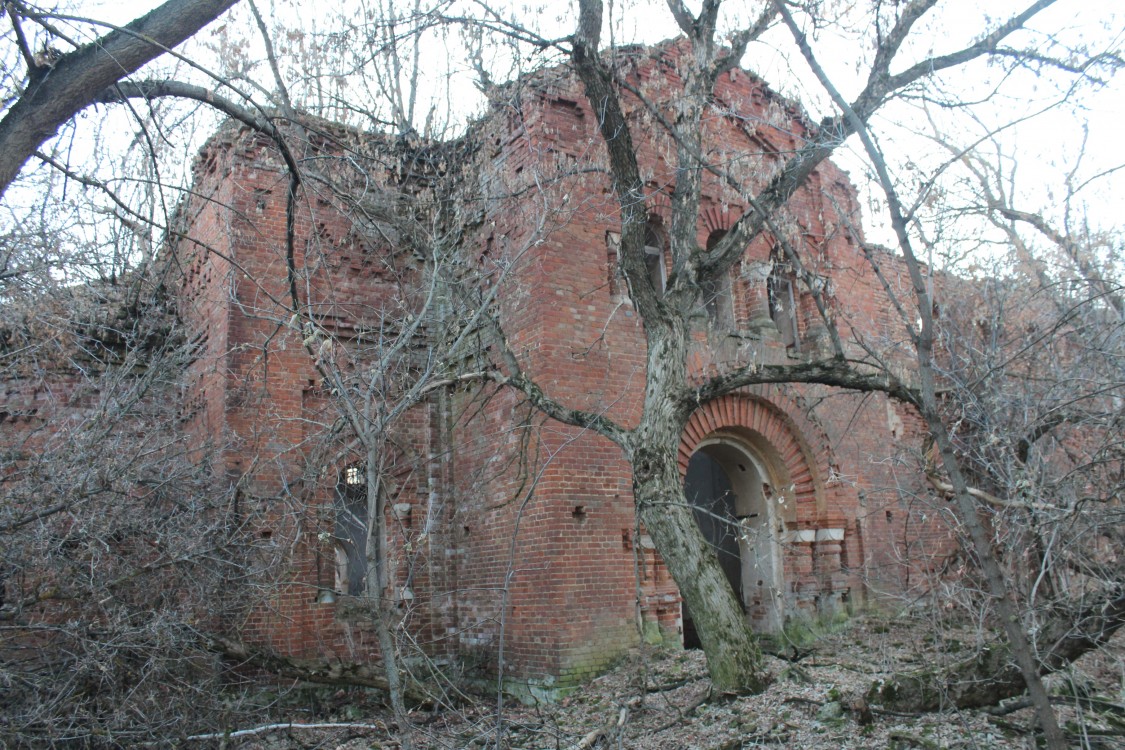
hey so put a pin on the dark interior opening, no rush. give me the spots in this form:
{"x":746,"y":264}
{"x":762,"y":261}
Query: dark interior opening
{"x":711,"y":493}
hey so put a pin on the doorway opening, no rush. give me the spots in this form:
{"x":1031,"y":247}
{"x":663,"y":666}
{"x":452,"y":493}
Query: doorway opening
{"x":730,"y":492}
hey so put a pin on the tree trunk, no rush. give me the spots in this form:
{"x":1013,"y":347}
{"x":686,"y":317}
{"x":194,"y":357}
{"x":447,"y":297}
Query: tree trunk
{"x":991,"y":676}
{"x":734,"y":660}
{"x":55,"y":95}
{"x":381,"y":616}
{"x":381,"y":606}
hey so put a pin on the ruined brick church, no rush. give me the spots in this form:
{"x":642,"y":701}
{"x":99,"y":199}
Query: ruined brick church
{"x":511,"y":538}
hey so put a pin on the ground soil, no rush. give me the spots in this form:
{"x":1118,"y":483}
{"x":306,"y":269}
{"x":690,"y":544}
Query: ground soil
{"x":660,"y":698}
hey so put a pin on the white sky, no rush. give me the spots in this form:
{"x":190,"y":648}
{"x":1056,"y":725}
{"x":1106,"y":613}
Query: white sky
{"x":1044,"y":147}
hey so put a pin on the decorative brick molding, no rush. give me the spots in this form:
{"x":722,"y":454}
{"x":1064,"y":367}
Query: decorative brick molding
{"x":778,"y":438}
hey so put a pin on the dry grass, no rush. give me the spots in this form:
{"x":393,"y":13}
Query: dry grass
{"x":658,"y":699}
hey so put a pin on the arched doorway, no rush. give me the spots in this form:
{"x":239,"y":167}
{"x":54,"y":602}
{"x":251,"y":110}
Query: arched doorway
{"x":730,"y":489}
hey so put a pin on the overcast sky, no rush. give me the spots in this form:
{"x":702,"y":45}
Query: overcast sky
{"x":1043,"y":146}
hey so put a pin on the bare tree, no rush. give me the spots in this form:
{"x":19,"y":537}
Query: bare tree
{"x":118,"y":546}
{"x":1031,"y":377}
{"x":378,"y":377}
{"x":57,"y":85}
{"x":670,"y":397}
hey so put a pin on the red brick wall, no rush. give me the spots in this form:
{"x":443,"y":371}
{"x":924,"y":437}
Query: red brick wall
{"x":261,"y":396}
{"x":531,"y":537}
{"x":569,"y":320}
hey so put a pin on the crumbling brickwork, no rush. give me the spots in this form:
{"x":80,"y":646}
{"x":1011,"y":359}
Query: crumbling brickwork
{"x":511,"y":537}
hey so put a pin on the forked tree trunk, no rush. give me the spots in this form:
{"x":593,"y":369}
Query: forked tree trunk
{"x":734,"y":659}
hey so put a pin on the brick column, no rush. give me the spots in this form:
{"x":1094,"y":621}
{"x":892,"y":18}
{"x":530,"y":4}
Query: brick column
{"x":826,"y":563}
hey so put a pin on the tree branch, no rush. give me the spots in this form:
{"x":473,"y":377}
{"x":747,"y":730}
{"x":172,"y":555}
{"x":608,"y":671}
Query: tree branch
{"x":831,"y":372}
{"x":1089,"y":273}
{"x":319,"y":671}
{"x":626,"y":172}
{"x":594,"y":421}
{"x":78,"y":77}
{"x":946,"y":489}
{"x":881,"y":84}
{"x":832,"y":132}
{"x":156,"y":89}
{"x":683,"y":17}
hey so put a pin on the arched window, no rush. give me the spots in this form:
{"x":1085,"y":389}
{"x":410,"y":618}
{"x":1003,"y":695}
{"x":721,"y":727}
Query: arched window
{"x":654,"y":256}
{"x":351,"y":530}
{"x":716,"y":291}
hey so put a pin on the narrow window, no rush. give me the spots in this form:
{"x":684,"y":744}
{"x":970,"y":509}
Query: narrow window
{"x":654,"y":257}
{"x":613,"y":262}
{"x":351,"y":531}
{"x":716,"y":291}
{"x":783,"y":304}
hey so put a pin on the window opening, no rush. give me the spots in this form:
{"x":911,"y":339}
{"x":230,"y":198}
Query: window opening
{"x":716,"y":291}
{"x":613,"y":262}
{"x":351,"y":531}
{"x":654,"y":258}
{"x":783,"y":304}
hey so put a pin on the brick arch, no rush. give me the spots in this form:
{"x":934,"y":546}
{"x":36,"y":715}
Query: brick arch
{"x":720,"y":218}
{"x":796,"y":448}
{"x":659,"y":204}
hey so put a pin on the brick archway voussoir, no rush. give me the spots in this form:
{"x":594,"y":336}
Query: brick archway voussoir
{"x":804,"y":466}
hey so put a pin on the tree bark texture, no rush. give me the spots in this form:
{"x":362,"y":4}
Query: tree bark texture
{"x":734,"y":660}
{"x":57,"y":93}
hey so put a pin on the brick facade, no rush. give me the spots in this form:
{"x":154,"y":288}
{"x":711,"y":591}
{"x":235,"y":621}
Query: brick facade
{"x":506,"y":530}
